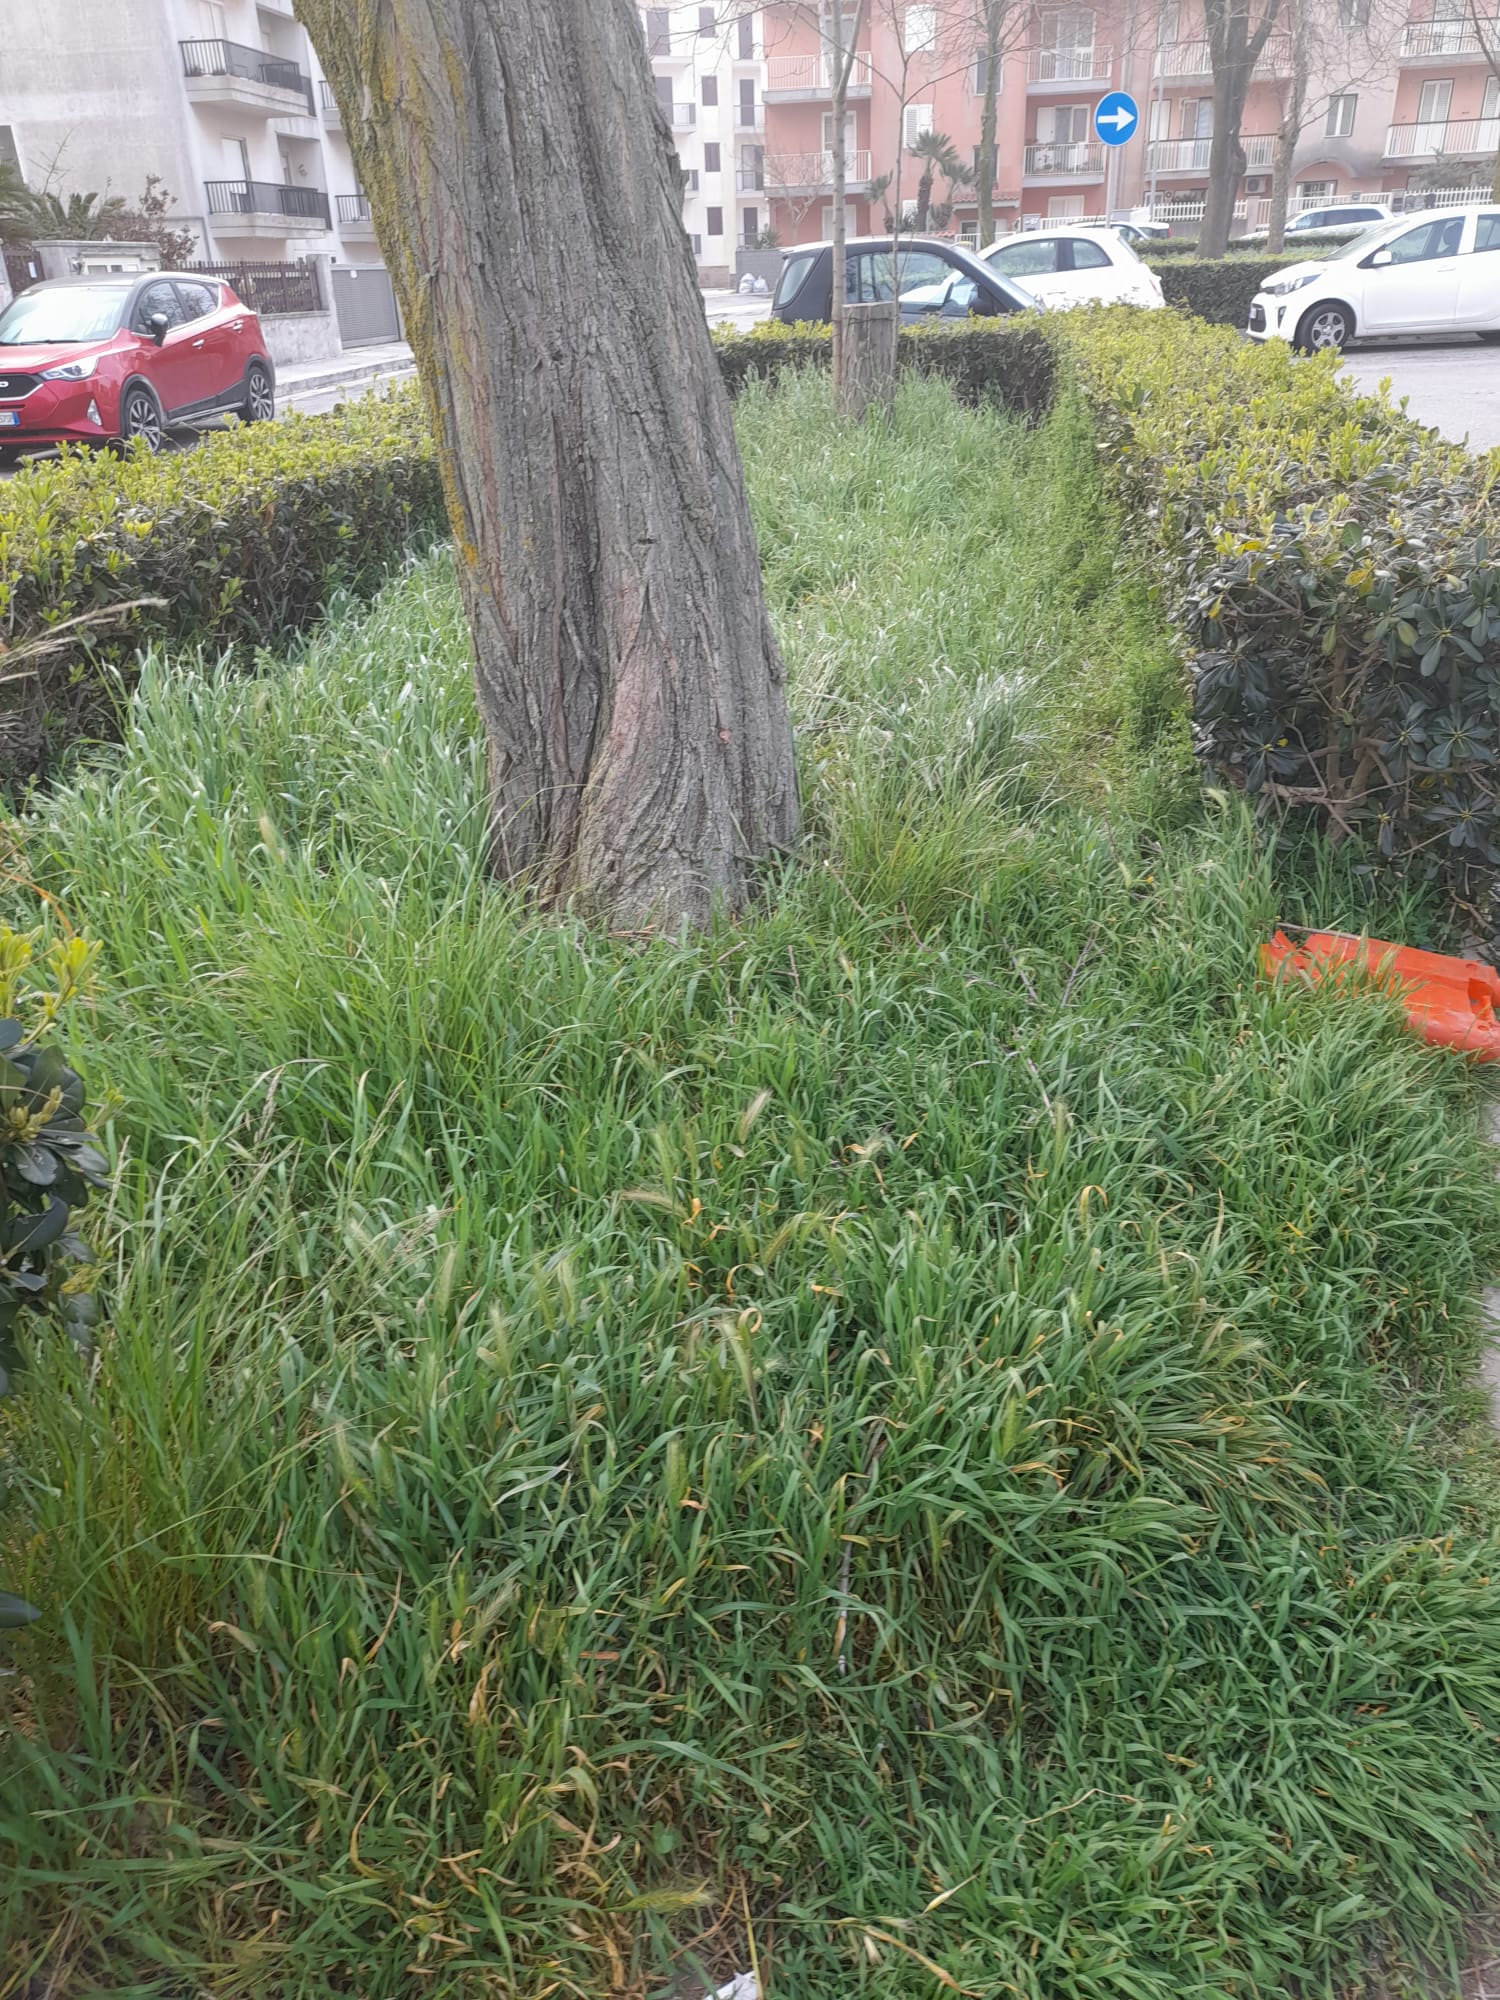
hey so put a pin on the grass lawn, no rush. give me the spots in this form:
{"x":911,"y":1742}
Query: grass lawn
{"x":876,"y":1443}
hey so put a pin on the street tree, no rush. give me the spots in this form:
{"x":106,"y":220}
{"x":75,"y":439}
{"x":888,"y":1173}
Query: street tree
{"x":526,"y":195}
{"x":938,"y":155}
{"x":1332,"y":51}
{"x":1237,"y":32}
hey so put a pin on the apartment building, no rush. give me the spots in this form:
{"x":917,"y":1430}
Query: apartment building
{"x":223,"y":99}
{"x":709,"y":66}
{"x":1390,"y":101}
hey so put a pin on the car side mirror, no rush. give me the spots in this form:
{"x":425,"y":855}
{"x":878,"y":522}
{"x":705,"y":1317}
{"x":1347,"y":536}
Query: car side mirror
{"x":157,"y":326}
{"x":1380,"y":259}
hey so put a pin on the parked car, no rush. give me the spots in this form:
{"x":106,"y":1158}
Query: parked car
{"x":1138,"y":231}
{"x":928,"y":279}
{"x":106,"y":359}
{"x":1338,"y":219}
{"x":1075,"y":266}
{"x":1438,"y":272}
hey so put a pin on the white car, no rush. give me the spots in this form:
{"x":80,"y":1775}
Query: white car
{"x":1339,"y":218}
{"x":1437,"y":272}
{"x":1076,"y":266}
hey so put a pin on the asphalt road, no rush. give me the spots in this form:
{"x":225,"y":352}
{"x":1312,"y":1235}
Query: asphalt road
{"x":1454,"y":385}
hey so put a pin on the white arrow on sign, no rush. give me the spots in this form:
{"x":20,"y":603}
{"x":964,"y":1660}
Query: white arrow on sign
{"x":1120,"y":118}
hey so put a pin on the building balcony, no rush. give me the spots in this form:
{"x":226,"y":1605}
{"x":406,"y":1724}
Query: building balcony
{"x":812,"y":173}
{"x":333,"y":118}
{"x":1440,"y":41}
{"x":1051,"y":66}
{"x":266,"y":208}
{"x":809,"y":79}
{"x":750,"y":180}
{"x":681,"y":117}
{"x":1455,"y":138}
{"x":1065,"y":160}
{"x":1190,"y":156}
{"x":246,"y":79}
{"x":1186,"y":62}
{"x":354,"y":218}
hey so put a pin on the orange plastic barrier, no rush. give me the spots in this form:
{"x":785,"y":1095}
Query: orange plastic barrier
{"x":1449,"y":1001}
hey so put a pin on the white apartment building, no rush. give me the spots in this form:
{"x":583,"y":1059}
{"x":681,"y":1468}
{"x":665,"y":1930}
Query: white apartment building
{"x":223,"y":99}
{"x":710,"y":69}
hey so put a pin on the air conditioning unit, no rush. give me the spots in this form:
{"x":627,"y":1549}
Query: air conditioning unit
{"x":1257,"y":183}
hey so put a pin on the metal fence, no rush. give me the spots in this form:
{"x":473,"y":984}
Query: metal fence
{"x":268,"y":198}
{"x":215,"y":57}
{"x":271,"y":289}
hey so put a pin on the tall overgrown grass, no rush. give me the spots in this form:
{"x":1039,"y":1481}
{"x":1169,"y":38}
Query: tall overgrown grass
{"x":870,"y":1443}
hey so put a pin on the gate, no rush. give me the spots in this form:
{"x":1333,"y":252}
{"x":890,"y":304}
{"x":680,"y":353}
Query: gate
{"x":365,"y":302}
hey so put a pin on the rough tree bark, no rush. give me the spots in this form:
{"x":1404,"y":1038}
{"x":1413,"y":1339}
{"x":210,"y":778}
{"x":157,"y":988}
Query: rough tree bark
{"x":1234,"y":49}
{"x":525,"y":191}
{"x":843,"y":54}
{"x":1293,"y":116}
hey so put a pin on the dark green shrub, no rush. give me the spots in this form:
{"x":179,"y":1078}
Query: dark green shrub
{"x":1217,"y":289}
{"x":240,"y":540}
{"x":1013,"y":359}
{"x":1333,"y":570}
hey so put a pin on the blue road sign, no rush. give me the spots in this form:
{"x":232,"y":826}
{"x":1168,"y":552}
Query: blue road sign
{"x":1116,"y":117}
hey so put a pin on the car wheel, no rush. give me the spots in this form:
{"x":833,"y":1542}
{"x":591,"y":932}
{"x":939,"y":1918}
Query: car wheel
{"x":140,"y":416}
{"x":1326,"y":326}
{"x":1491,"y":333}
{"x":260,"y":400}
{"x":10,"y":454}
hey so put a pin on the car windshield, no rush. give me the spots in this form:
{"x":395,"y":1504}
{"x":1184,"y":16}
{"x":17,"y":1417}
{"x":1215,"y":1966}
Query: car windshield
{"x":50,"y":319}
{"x":1357,"y":245}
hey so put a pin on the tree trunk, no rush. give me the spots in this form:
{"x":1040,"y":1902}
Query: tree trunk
{"x":924,"y":200}
{"x":840,"y":181}
{"x":1226,"y":160}
{"x":1281,"y":181}
{"x":1495,"y":180}
{"x":524,"y":186}
{"x":985,"y":166}
{"x":869,"y":358}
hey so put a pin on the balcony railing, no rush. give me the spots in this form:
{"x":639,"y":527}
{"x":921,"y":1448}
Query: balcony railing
{"x":1069,"y":65}
{"x":329,"y":103}
{"x":812,"y":172}
{"x":352,"y":208}
{"x":1190,"y":156}
{"x":750,"y":180}
{"x":1190,"y":59}
{"x":812,"y":76}
{"x":1452,"y":135}
{"x":1079,"y":159}
{"x":683,"y":116}
{"x":1423,"y":40}
{"x":268,"y":198}
{"x":218,"y":58}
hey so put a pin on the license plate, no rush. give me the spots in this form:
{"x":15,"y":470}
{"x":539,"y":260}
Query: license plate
{"x":10,"y":416}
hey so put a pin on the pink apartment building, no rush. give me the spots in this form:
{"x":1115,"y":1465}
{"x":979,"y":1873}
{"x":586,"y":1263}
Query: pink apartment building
{"x":1426,"y":98}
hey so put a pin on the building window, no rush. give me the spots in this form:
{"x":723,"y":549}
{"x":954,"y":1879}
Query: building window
{"x":1312,"y":194}
{"x":915,"y":120}
{"x":710,"y":159}
{"x":715,"y":222}
{"x":1062,"y":124}
{"x":659,"y":31}
{"x":981,"y":72}
{"x":1491,"y":105}
{"x":919,"y":30}
{"x":747,"y":100}
{"x":710,"y":90}
{"x":690,"y":179}
{"x":664,"y":95}
{"x":746,"y":48}
{"x":751,"y":223}
{"x":1341,"y":115}
{"x":697,"y":243}
{"x":1432,"y":105}
{"x":706,"y":21}
{"x":1064,"y":207}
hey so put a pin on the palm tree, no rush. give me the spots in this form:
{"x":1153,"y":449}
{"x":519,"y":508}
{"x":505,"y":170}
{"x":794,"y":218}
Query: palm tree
{"x":28,"y":214}
{"x":938,"y":155}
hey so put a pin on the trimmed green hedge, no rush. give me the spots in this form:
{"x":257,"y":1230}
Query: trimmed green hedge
{"x":239,"y":542}
{"x":1218,"y":289}
{"x":1333,"y":569}
{"x":1013,"y":359}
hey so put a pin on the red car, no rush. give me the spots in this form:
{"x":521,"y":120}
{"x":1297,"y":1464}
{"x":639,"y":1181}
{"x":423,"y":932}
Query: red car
{"x":95,"y":360}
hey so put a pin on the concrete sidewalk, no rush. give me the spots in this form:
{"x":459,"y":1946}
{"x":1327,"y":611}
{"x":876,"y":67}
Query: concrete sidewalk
{"x":356,"y":370}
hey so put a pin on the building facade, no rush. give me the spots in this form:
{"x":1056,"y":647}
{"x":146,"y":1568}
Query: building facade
{"x":709,"y":66}
{"x":223,"y":100}
{"x":1393,"y":108}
